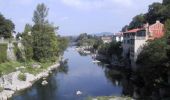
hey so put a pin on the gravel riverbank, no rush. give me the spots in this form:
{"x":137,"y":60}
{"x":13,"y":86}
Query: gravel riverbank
{"x":12,"y":84}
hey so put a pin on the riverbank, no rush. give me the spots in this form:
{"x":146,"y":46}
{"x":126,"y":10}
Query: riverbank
{"x":11,"y":84}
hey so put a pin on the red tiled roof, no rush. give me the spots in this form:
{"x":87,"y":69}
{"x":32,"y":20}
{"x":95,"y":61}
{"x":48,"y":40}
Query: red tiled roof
{"x":133,"y":30}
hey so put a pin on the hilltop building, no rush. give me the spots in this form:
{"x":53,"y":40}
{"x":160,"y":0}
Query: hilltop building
{"x":135,"y":39}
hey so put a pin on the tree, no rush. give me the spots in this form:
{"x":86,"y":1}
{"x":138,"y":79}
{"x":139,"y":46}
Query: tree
{"x":109,"y":49}
{"x":6,"y":27}
{"x":45,"y":44}
{"x":63,"y":43}
{"x":28,"y":28}
{"x":28,"y":42}
{"x":125,"y":28}
{"x":40,"y":14}
{"x":166,"y":2}
{"x":154,"y":53}
{"x":137,"y":22}
{"x":155,"y":12}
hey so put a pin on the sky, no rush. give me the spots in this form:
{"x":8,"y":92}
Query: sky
{"x":77,"y":16}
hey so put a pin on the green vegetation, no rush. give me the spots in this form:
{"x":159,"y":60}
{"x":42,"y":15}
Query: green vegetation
{"x":88,"y":40}
{"x":95,"y":44}
{"x":41,"y":44}
{"x":1,"y":89}
{"x":6,"y":27}
{"x":18,"y":53}
{"x":113,"y":48}
{"x":154,"y":53}
{"x":33,"y":70}
{"x":28,"y":42}
{"x":40,"y":40}
{"x":156,"y":11}
{"x":45,"y":44}
{"x":3,"y":54}
{"x":22,"y":77}
{"x":8,"y":67}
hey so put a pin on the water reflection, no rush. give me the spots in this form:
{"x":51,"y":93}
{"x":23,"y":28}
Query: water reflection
{"x":63,"y":67}
{"x":141,"y":86}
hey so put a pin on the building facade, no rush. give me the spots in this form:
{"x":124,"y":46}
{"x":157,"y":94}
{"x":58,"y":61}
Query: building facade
{"x":135,"y":39}
{"x":107,"y":39}
{"x":118,"y":37}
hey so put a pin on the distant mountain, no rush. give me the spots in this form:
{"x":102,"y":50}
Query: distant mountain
{"x":103,"y":33}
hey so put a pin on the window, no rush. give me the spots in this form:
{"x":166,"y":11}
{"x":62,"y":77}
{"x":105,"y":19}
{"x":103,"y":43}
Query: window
{"x":132,"y":41}
{"x":128,"y":41}
{"x":141,"y":33}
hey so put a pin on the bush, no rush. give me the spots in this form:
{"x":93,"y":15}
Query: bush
{"x":1,"y":89}
{"x":22,"y":77}
{"x":3,"y":54}
{"x":18,"y":53}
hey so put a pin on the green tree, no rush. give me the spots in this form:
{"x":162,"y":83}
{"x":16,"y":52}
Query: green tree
{"x":166,"y":2}
{"x":28,"y":42}
{"x":6,"y":27}
{"x":45,"y":44}
{"x":62,"y":44}
{"x":154,"y":53}
{"x":40,"y":14}
{"x":28,"y":28}
{"x":137,"y":22}
{"x":155,"y":12}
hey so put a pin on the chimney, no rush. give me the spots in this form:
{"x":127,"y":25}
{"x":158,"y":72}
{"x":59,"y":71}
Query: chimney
{"x":146,"y":25}
{"x":157,"y":21}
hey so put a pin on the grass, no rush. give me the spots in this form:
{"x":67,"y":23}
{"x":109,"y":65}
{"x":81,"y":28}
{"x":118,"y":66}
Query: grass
{"x":35,"y":71}
{"x":9,"y":67}
{"x":3,"y":53}
{"x":1,"y":89}
{"x":22,"y":77}
{"x":108,"y":98}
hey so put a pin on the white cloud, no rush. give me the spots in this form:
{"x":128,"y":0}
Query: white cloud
{"x":91,"y":4}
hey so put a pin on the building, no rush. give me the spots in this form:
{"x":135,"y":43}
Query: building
{"x":118,"y":37}
{"x":135,"y":39}
{"x":107,"y":39}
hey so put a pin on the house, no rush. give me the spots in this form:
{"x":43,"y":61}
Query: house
{"x":107,"y":39}
{"x":135,"y":39}
{"x":118,"y":37}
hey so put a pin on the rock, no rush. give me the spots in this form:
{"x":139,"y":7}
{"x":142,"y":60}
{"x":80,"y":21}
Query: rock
{"x":44,"y":83}
{"x":36,"y":66}
{"x":19,"y":68}
{"x":78,"y":93}
{"x":13,"y":84}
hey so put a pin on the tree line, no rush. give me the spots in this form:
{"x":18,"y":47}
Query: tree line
{"x":40,"y":40}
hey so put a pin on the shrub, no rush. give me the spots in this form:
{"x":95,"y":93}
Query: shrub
{"x":3,"y":54}
{"x":22,"y":77}
{"x":1,"y":89}
{"x":18,"y":53}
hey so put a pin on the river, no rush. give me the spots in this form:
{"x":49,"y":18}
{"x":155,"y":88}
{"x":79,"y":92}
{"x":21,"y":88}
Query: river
{"x":81,"y":74}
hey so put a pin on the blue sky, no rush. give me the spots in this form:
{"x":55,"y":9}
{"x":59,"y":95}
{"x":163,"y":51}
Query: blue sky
{"x":77,"y":16}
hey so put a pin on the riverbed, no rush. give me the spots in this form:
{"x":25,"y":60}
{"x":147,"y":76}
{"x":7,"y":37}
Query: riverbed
{"x":79,"y":74}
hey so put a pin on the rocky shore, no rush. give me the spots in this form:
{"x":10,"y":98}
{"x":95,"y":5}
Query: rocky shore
{"x":12,"y":84}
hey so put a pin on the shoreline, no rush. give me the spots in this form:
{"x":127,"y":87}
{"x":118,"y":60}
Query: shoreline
{"x":15,"y":85}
